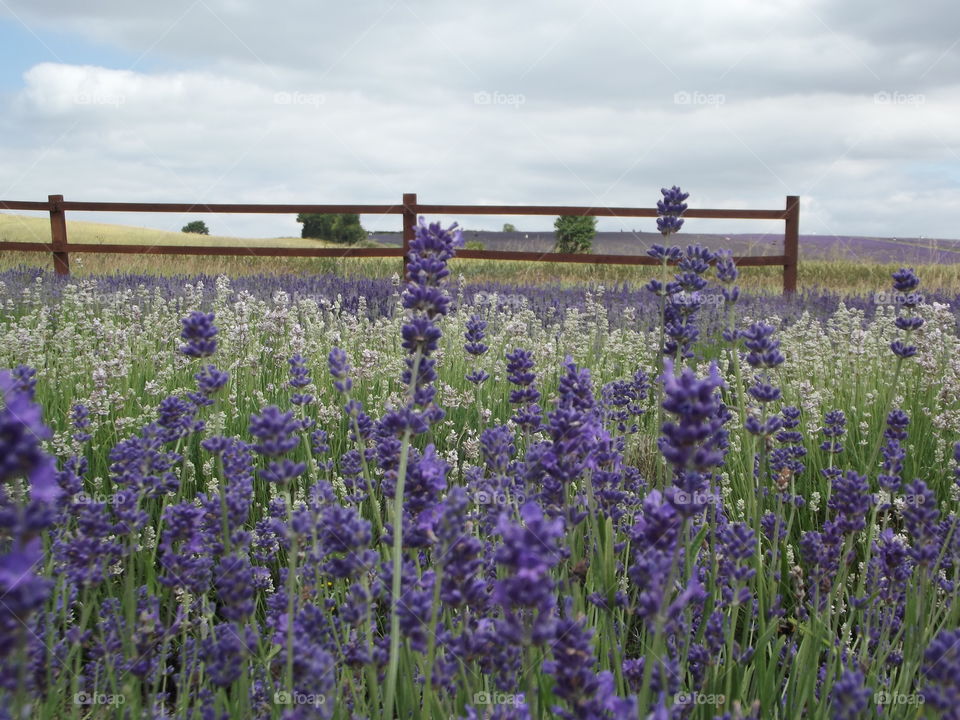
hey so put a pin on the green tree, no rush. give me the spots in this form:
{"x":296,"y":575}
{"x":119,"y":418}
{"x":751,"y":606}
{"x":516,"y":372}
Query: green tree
{"x":509,"y":227}
{"x":342,"y":228}
{"x":574,"y":234}
{"x":196,"y":226}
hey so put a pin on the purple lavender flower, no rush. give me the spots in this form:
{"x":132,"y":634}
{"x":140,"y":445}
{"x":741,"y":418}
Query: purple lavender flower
{"x":906,"y":281}
{"x":299,"y":379}
{"x":474,"y":336}
{"x":340,"y":370}
{"x":21,"y":431}
{"x":902,"y":350}
{"x":198,"y":331}
{"x":654,"y":536}
{"x":527,"y":593}
{"x":25,"y":380}
{"x":176,"y":417}
{"x":210,"y":380}
{"x":664,"y":254}
{"x":571,"y":668}
{"x":834,"y":428}
{"x":669,"y":209}
{"x":474,"y":346}
{"x":225,"y":653}
{"x":941,"y":670}
{"x":184,"y":551}
{"x":691,"y":444}
{"x":893,"y":453}
{"x":141,"y":465}
{"x":921,"y":517}
{"x":956,"y":459}
{"x":519,"y":367}
{"x":787,"y":458}
{"x":80,"y":419}
{"x":460,"y":555}
{"x":851,"y":500}
{"x":849,"y":699}
{"x":86,"y":551}
{"x":276,"y":431}
{"x":620,"y":401}
{"x":764,"y":350}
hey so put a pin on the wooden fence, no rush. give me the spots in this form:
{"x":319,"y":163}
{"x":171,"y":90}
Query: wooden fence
{"x":410,"y":208}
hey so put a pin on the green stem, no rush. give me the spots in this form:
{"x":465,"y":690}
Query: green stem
{"x":291,"y":589}
{"x":397,"y":554}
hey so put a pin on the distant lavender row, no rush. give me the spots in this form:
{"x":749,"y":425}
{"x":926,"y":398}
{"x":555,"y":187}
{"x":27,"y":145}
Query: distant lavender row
{"x":821,"y":247}
{"x":547,"y":302}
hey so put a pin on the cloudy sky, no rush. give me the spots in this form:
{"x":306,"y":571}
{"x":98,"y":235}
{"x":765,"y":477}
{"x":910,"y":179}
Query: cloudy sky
{"x":853,"y":105}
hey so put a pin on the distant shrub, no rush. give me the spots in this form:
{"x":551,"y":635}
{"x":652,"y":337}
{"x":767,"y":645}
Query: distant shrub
{"x":197,"y":226}
{"x":509,"y":227}
{"x":474,"y":245}
{"x":342,"y":228}
{"x":574,"y":234}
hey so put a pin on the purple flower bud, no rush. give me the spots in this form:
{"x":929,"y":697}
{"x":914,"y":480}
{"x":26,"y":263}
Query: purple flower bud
{"x":905,"y":280}
{"x":903,"y":351}
{"x":275,"y":430}
{"x":340,"y":370}
{"x":198,"y":331}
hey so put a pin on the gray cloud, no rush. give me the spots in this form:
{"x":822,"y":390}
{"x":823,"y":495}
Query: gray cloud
{"x":547,"y":102}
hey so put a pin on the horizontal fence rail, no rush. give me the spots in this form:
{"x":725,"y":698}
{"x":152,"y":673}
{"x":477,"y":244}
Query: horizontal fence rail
{"x":57,"y":207}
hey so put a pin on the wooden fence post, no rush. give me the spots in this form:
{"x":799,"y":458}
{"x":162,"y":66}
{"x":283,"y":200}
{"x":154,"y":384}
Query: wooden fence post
{"x":58,"y":235}
{"x":791,"y":244}
{"x":409,"y":222}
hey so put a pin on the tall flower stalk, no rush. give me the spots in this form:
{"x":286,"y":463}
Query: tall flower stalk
{"x":425,"y":300}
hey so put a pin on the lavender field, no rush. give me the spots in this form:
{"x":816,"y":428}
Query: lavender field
{"x":920,"y":251}
{"x":279,"y":497}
